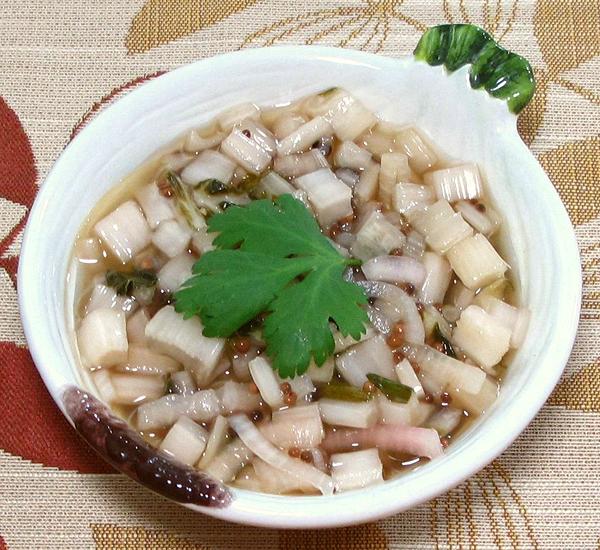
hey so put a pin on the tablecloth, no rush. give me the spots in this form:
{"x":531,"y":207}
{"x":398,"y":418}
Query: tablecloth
{"x":62,"y":62}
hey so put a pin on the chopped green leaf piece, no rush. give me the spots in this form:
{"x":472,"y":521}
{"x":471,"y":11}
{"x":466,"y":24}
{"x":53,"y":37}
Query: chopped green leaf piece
{"x":343,"y":392}
{"x":185,"y":202}
{"x":213,"y":187}
{"x":394,"y":391}
{"x":446,"y":345}
{"x":126,"y":282}
{"x":272,"y":257}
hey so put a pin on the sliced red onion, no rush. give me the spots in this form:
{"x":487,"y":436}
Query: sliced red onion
{"x":391,"y":437}
{"x":395,"y":305}
{"x":273,"y":456}
{"x":125,"y":449}
{"x":395,"y":269}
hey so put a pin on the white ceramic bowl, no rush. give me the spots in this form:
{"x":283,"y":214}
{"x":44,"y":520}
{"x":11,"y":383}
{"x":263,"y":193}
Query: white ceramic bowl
{"x":466,"y":124}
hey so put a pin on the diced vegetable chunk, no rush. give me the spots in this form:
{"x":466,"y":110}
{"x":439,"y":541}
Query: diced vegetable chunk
{"x":156,"y":207}
{"x":102,"y":338}
{"x":208,"y":165}
{"x":299,"y":427}
{"x":356,"y":469}
{"x":410,"y":196}
{"x":217,"y":439}
{"x":133,"y":389}
{"x":456,"y":183}
{"x":124,"y":231}
{"x":347,"y":413}
{"x":420,"y":155}
{"x":236,"y":397}
{"x":394,"y":169}
{"x":175,"y":272}
{"x":229,"y":462}
{"x":376,"y":237}
{"x":266,"y":382}
{"x":236,"y":114}
{"x":476,"y":262}
{"x":136,"y":327}
{"x":302,"y":138}
{"x":324,"y":373}
{"x":348,"y":116}
{"x":482,"y":337}
{"x":169,"y":333}
{"x":350,"y":155}
{"x":172,"y":238}
{"x":185,"y":441}
{"x":372,"y":355}
{"x":141,"y":360}
{"x":329,"y":196}
{"x":437,"y":278}
{"x":246,"y":152}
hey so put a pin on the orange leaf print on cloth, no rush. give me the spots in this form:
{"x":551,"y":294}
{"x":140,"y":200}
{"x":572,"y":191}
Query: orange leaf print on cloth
{"x":580,"y":391}
{"x":162,"y":21}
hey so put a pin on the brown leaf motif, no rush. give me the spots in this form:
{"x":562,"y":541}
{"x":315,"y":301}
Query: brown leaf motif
{"x":580,"y":391}
{"x":162,"y":21}
{"x":349,"y":538}
{"x":108,"y":536}
{"x":574,"y":168}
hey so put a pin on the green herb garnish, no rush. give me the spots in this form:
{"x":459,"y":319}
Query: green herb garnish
{"x":272,"y":256}
{"x":343,"y":392}
{"x":446,"y":345}
{"x":126,"y":282}
{"x":394,"y":391}
{"x":213,"y":186}
{"x":185,"y":203}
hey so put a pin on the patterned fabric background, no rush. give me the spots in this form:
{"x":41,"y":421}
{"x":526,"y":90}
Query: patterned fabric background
{"x":63,"y":61}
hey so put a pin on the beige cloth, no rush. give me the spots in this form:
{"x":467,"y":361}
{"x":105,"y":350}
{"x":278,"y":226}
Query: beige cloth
{"x":61,"y":61}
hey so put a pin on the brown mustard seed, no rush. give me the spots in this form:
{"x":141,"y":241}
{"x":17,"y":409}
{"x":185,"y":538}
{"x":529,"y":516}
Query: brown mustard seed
{"x":428,"y":398}
{"x":368,"y":387}
{"x":306,"y":456}
{"x":346,"y":219}
{"x":396,"y":252}
{"x":294,"y":452}
{"x":420,"y":307}
{"x":440,"y":347}
{"x":398,"y":328}
{"x":446,"y":399}
{"x":285,"y":387}
{"x":242,"y":344}
{"x":252,"y":388}
{"x":256,"y":416}
{"x":290,"y":398}
{"x":247,"y":133}
{"x":398,"y":356}
{"x":335,"y":230}
{"x":409,"y":288}
{"x":164,"y":188}
{"x":395,"y":340}
{"x":445,"y":442}
{"x":480,"y":206}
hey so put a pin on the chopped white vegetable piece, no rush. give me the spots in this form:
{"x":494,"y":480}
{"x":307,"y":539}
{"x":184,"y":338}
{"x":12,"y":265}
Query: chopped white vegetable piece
{"x":185,"y":441}
{"x":104,"y":386}
{"x":445,"y":420}
{"x":393,"y":170}
{"x":104,"y":296}
{"x":476,"y":262}
{"x":275,"y":481}
{"x":477,"y":404}
{"x":437,"y":279}
{"x":133,"y":389}
{"x":182,"y":383}
{"x":395,"y":269}
{"x":330,"y":197}
{"x":172,"y":238}
{"x":200,"y":140}
{"x":168,"y":332}
{"x":229,"y":462}
{"x":408,"y":196}
{"x":208,"y":165}
{"x":175,"y":272}
{"x":124,"y":231}
{"x":377,"y":142}
{"x":368,"y":356}
{"x":514,"y":319}
{"x":299,"y":427}
{"x":273,"y":184}
{"x":156,"y":207}
{"x":414,"y":246}
{"x":141,"y":360}
{"x":202,"y":241}
{"x":407,"y":376}
{"x":412,"y":413}
{"x":136,"y":327}
{"x":347,"y":413}
{"x":485,"y":221}
{"x":236,"y":397}
{"x":293,"y":166}
{"x":301,"y":385}
{"x":344,"y":342}
{"x":366,"y":188}
{"x":376,"y":237}
{"x":350,"y":155}
{"x":324,"y":373}
{"x":420,"y":155}
{"x":287,"y":124}
{"x":219,"y":434}
{"x":201,"y":406}
{"x":348,"y":116}
{"x":259,"y":134}
{"x":456,"y":183}
{"x":356,"y":469}
{"x":102,"y":338}
{"x":246,"y":152}
{"x":266,"y":382}
{"x":236,"y":114}
{"x":302,"y":138}
{"x":482,"y":337}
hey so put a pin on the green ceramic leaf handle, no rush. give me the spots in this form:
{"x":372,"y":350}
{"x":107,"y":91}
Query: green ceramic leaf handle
{"x":503,"y":74}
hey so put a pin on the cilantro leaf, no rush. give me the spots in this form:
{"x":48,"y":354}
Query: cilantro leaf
{"x":273,"y":257}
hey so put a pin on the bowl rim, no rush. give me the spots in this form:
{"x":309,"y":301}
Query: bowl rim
{"x":264,"y":510}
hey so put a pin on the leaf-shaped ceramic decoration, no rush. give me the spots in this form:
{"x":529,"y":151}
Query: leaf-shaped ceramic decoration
{"x":503,"y":74}
{"x":162,"y":21}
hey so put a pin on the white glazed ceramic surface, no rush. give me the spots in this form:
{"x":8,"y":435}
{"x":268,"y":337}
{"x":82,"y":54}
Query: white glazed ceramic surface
{"x":466,"y":124}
